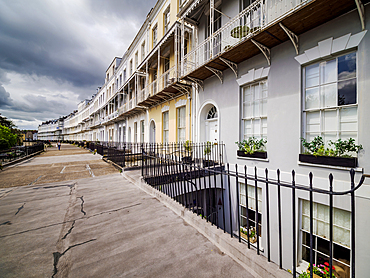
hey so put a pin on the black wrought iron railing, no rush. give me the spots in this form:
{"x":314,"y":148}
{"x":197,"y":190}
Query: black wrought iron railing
{"x":213,"y":192}
{"x":130,"y":154}
{"x":19,"y":152}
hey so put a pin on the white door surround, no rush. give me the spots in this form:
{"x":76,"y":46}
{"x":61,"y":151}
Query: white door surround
{"x":209,"y":122}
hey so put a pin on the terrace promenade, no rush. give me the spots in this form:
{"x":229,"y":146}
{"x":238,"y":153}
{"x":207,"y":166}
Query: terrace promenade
{"x":69,"y":214}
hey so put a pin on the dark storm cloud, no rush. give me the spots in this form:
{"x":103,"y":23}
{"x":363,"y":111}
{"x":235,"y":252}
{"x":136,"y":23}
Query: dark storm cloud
{"x":69,"y":42}
{"x":5,"y":100}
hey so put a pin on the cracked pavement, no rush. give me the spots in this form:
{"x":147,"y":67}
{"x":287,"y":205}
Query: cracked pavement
{"x":101,"y":226}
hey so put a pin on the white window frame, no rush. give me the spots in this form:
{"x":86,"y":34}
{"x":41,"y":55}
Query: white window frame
{"x":166,"y":128}
{"x":155,"y":35}
{"x":322,"y":221}
{"x":251,"y":206}
{"x":181,"y":129}
{"x":143,"y":51}
{"x":254,"y":118}
{"x":166,"y":19}
{"x":322,"y":110}
{"x":142,"y":131}
{"x":135,"y":132}
{"x":136,"y":59}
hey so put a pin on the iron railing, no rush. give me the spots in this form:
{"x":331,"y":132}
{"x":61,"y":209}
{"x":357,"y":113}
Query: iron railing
{"x":197,"y":187}
{"x":130,"y":154}
{"x":19,"y":152}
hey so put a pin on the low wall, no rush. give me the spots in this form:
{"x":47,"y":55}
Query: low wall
{"x":248,"y":258}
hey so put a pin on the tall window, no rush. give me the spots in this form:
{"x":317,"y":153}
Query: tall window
{"x":254,"y":110}
{"x":166,"y":20}
{"x":124,"y":76}
{"x":165,"y":127}
{"x":120,"y":80}
{"x":181,"y":124}
{"x":131,"y":67}
{"x":136,"y":59}
{"x":135,"y":132}
{"x":142,"y":131}
{"x":321,"y":243}
{"x":330,"y":99}
{"x":143,"y":51}
{"x":250,"y":211}
{"x":155,"y":35}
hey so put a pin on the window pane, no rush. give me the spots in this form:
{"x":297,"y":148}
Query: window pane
{"x":264,"y":107}
{"x":264,"y":128}
{"x":247,"y":94}
{"x":329,"y":95}
{"x":256,"y":109}
{"x":247,"y":111}
{"x":312,"y":98}
{"x":312,"y":75}
{"x":347,"y":92}
{"x":329,"y":72}
{"x":347,"y":66}
{"x":256,"y":89}
{"x":257,"y":127}
{"x":313,"y":122}
{"x":330,"y":120}
{"x":247,"y":129}
{"x":348,"y":119}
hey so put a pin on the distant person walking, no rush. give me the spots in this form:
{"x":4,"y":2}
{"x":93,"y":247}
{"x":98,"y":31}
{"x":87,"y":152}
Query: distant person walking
{"x":58,"y":145}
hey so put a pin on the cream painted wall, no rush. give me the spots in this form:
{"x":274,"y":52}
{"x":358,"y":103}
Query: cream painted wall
{"x":156,"y":114}
{"x":158,"y":20}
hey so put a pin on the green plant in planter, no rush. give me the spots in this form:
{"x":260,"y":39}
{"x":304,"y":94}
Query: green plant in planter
{"x":207,"y":148}
{"x":188,"y":145}
{"x":340,"y":148}
{"x":252,"y":145}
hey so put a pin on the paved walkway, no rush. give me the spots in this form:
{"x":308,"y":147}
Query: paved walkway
{"x":96,"y":226}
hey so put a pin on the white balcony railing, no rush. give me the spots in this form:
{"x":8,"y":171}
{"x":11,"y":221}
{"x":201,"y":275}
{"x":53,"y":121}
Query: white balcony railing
{"x":255,"y":17}
{"x":166,"y":79}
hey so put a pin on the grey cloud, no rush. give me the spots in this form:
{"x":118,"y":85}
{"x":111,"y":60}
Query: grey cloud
{"x":70,"y":42}
{"x":5,"y":99}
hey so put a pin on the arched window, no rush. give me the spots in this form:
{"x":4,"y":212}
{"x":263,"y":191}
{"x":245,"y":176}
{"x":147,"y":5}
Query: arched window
{"x":212,"y":113}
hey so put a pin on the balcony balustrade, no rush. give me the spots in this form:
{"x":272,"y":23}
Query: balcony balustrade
{"x":262,"y":25}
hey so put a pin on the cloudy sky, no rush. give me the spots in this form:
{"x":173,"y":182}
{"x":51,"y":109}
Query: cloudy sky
{"x":54,"y":53}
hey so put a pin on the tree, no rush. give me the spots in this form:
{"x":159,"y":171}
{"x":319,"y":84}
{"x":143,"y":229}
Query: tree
{"x":7,"y":123}
{"x":7,"y":138}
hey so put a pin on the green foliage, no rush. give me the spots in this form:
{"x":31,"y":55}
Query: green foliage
{"x":252,"y":145}
{"x":207,"y":148}
{"x":7,"y":123}
{"x":341,"y":148}
{"x":252,"y":231}
{"x":314,"y":145}
{"x":7,"y":138}
{"x":188,"y":145}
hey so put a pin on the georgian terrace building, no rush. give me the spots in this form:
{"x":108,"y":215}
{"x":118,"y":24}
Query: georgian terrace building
{"x":206,"y":70}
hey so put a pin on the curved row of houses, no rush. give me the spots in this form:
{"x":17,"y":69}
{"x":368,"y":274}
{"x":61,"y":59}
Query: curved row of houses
{"x":216,"y":70}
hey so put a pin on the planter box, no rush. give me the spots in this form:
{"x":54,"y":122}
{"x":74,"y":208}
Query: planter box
{"x":329,"y":160}
{"x":251,"y":239}
{"x":209,"y":163}
{"x":187,"y":159}
{"x":262,"y":155}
